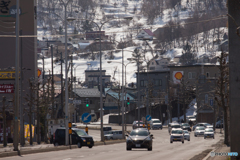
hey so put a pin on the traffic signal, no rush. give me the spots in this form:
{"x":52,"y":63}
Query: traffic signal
{"x":87,"y":102}
{"x":128,"y":101}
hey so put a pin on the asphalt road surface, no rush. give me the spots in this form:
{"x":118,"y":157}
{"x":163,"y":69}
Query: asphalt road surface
{"x":162,"y":149}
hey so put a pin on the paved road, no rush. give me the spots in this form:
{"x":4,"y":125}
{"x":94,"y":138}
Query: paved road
{"x":162,"y":149}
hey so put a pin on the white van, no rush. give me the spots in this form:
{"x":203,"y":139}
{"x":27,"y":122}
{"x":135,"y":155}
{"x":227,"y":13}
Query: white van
{"x":155,"y":124}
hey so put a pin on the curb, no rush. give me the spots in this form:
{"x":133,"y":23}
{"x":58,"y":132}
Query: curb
{"x":55,"y":148}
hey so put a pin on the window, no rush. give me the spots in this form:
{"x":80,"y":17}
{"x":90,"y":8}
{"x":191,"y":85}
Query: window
{"x":207,"y":74}
{"x":142,"y":83}
{"x":189,"y":75}
{"x":145,"y":83}
{"x":152,"y":68}
{"x":157,"y":82}
{"x":193,"y":75}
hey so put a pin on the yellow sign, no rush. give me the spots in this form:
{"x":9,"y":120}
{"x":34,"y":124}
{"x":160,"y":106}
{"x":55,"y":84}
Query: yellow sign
{"x":39,"y":72}
{"x":27,"y":131}
{"x":70,"y":131}
{"x":7,"y":74}
{"x":178,"y":75}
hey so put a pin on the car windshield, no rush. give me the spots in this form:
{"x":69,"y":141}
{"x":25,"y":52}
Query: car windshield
{"x":176,"y":126}
{"x":177,"y":132}
{"x":185,"y":124}
{"x":200,"y":128}
{"x":157,"y":121}
{"x":139,"y":122}
{"x":81,"y":132}
{"x":208,"y":130}
{"x":207,"y":124}
{"x":185,"y":131}
{"x":139,"y":133}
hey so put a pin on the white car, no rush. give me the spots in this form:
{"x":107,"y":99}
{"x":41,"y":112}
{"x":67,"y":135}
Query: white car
{"x":208,"y":133}
{"x":177,"y":135}
{"x":199,"y":131}
{"x":155,"y":124}
{"x":186,"y":135}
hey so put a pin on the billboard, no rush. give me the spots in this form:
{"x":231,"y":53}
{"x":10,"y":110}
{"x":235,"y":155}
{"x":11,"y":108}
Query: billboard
{"x":6,"y":88}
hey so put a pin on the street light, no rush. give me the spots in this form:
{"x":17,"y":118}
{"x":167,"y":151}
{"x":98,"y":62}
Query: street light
{"x":66,"y":76}
{"x":101,"y":99}
{"x":122,"y":92}
{"x":136,"y":50}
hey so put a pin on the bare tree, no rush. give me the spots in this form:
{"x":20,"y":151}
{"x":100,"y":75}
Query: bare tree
{"x":222,"y":92}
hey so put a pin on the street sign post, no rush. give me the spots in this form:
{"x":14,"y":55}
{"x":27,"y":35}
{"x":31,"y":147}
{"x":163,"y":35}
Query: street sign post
{"x":86,"y":117}
{"x":148,"y":118}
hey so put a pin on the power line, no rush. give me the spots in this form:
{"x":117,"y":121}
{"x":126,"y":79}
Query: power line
{"x":84,"y":34}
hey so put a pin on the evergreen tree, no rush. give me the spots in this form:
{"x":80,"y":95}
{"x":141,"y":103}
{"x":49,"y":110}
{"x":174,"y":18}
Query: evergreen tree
{"x":188,"y":57}
{"x":60,"y":30}
{"x":87,"y":26}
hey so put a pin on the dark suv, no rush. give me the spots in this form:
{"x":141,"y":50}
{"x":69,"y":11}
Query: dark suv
{"x":79,"y":137}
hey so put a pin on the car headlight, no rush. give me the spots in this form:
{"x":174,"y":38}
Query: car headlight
{"x":129,"y":139}
{"x":148,"y":139}
{"x":83,"y":139}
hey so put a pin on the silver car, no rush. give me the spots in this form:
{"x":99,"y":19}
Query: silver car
{"x":208,"y":133}
{"x":177,"y":135}
{"x":186,"y":135}
{"x":113,"y":135}
{"x":199,"y":131}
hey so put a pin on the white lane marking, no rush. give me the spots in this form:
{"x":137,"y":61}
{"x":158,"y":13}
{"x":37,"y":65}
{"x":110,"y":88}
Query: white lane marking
{"x":67,"y":158}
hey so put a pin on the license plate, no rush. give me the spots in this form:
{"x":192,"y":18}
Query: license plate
{"x":88,"y":142}
{"x":208,"y":136}
{"x":138,"y":145}
{"x":175,"y":139}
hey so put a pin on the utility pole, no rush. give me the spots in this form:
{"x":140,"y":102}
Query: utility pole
{"x":52,"y":85}
{"x":16,"y":101}
{"x":4,"y":122}
{"x":22,"y":140}
{"x":234,"y":74}
{"x":61,"y":82}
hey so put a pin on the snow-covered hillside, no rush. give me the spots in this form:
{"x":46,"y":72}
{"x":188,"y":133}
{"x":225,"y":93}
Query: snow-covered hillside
{"x":118,"y":9}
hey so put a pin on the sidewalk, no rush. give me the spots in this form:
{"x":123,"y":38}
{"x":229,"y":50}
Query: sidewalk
{"x":219,"y":147}
{"x":28,"y":149}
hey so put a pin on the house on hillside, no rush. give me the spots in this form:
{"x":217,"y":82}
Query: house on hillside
{"x":145,"y":34}
{"x":92,"y":78}
{"x":160,"y":64}
{"x":93,"y":35}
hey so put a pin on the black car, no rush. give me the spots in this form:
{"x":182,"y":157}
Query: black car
{"x":139,"y":139}
{"x":79,"y":137}
{"x":186,"y":126}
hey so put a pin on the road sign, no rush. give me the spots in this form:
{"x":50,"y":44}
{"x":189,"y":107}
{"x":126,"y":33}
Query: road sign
{"x":76,"y":101}
{"x":86,"y":117}
{"x":148,"y":118}
{"x":211,"y":102}
{"x":6,"y":88}
{"x":39,"y":73}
